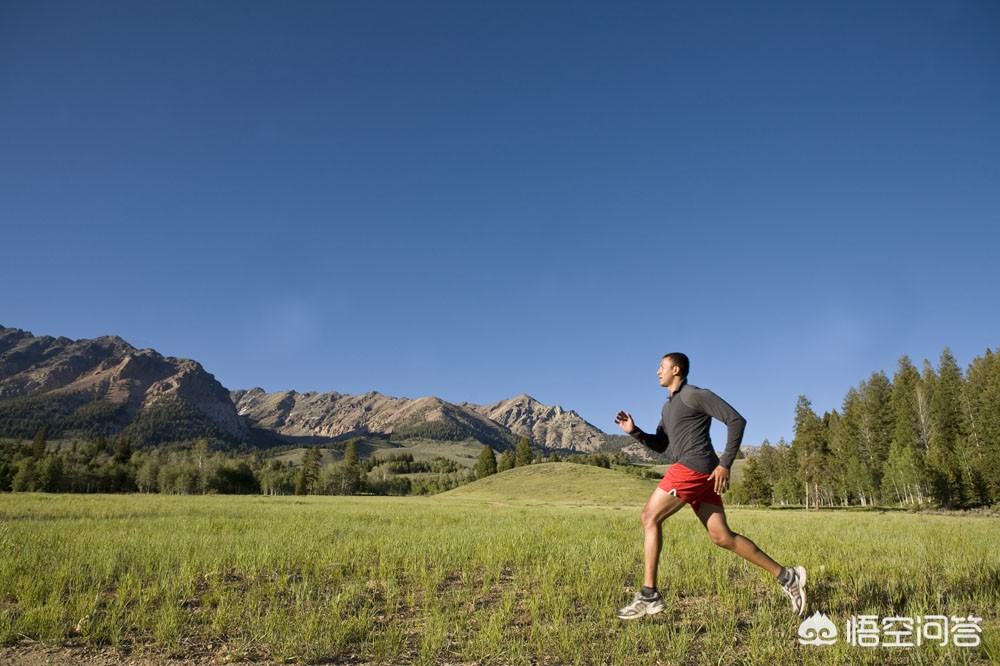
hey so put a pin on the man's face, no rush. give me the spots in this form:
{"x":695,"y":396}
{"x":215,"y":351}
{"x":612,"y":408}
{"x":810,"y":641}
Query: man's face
{"x":666,"y":372}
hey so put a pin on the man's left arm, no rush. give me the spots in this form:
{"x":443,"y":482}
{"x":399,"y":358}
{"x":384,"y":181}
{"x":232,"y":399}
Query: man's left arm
{"x":719,"y":409}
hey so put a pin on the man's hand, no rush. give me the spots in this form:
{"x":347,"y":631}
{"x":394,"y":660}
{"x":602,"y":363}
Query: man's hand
{"x":625,"y":422}
{"x":721,"y":478}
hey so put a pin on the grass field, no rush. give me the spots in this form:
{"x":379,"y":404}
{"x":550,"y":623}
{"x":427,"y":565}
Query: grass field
{"x":526,"y":567}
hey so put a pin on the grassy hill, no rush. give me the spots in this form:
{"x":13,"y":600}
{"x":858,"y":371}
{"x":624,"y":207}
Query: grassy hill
{"x":558,"y":483}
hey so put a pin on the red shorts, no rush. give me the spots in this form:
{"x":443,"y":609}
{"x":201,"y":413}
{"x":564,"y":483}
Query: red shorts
{"x":691,"y":486}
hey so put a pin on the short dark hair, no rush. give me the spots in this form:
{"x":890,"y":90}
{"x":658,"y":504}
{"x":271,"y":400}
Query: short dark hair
{"x":681,"y":361}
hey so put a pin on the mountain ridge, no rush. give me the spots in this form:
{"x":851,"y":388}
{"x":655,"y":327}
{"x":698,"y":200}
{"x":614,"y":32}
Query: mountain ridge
{"x":114,"y":388}
{"x":336,"y":415}
{"x":73,"y":373}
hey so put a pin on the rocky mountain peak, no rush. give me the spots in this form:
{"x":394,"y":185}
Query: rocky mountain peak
{"x":109,"y":369}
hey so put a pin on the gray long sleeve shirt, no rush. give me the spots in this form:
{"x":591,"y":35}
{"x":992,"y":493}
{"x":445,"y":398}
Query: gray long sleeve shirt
{"x":684,"y":429}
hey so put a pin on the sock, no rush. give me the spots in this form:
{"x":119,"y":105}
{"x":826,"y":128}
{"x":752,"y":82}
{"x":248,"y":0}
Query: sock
{"x":648,"y":591}
{"x":785,"y":575}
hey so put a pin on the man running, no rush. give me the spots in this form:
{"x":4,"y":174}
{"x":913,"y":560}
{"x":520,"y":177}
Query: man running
{"x":697,"y":477}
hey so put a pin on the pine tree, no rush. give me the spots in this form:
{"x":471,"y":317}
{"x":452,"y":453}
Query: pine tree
{"x":351,"y":452}
{"x":756,"y":487}
{"x":811,"y":449}
{"x":306,"y":483}
{"x":981,"y":412}
{"x":40,"y":445}
{"x":787,"y":487}
{"x":506,"y":461}
{"x":906,"y":422}
{"x":877,"y":421}
{"x":989,"y":401}
{"x":487,"y":464}
{"x":944,"y":453}
{"x":522,"y":453}
{"x":350,"y":468}
{"x":904,"y":477}
{"x":848,"y":479}
{"x":876,"y":428}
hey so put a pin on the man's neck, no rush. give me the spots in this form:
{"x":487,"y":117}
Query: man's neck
{"x":675,"y":385}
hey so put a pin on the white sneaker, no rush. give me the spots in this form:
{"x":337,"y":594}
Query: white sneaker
{"x":795,"y":588}
{"x":642,"y":605}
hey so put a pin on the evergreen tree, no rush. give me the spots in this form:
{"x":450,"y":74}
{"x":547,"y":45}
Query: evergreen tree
{"x":877,"y":422}
{"x":350,"y":470}
{"x":981,"y":412}
{"x":522,"y":453}
{"x":768,"y":460}
{"x":506,"y":461}
{"x":39,"y":446}
{"x":25,"y":478}
{"x":123,"y":451}
{"x":811,"y":449}
{"x":906,"y":421}
{"x":487,"y":464}
{"x":755,"y":485}
{"x":787,"y":488}
{"x":904,"y":476}
{"x":351,"y":452}
{"x":306,"y":483}
{"x":847,"y":478}
{"x":944,"y":453}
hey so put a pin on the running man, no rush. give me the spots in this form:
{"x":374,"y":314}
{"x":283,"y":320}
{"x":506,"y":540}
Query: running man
{"x":697,"y":477}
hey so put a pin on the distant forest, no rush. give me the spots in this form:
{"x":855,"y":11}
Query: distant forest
{"x":929,"y":438}
{"x":191,"y":468}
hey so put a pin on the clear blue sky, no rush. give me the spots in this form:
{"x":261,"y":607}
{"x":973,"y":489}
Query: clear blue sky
{"x":475,"y":200}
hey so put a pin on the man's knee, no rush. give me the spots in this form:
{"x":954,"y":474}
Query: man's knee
{"x":652,"y":516}
{"x":648,"y":518}
{"x":723,"y":539}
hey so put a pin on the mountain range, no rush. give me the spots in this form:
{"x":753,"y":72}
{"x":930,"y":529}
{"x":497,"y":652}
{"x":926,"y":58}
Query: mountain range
{"x":105,"y":386}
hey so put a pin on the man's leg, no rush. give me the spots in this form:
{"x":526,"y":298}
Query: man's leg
{"x":648,"y":600}
{"x":793,"y":580}
{"x":714,"y":519}
{"x":661,"y":505}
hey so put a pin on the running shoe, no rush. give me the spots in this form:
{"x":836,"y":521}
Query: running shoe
{"x":642,"y":605}
{"x":795,"y":588}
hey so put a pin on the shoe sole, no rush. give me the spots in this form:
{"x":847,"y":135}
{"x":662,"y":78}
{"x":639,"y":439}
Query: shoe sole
{"x":801,"y":573}
{"x":649,"y":611}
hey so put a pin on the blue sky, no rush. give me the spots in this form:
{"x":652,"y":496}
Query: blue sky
{"x":478,"y":200}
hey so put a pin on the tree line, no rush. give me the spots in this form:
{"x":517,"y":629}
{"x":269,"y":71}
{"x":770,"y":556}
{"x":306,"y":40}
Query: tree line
{"x":113,"y":465}
{"x":924,"y":438}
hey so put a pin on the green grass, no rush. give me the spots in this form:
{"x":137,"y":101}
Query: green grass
{"x":528,"y":566}
{"x":560,"y":484}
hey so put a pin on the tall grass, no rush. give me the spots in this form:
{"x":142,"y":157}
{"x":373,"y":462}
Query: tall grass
{"x":461,"y":580}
